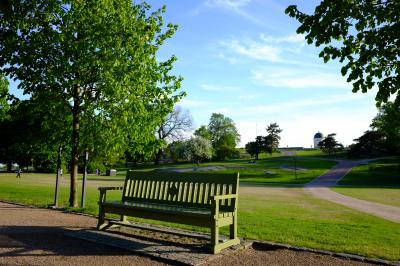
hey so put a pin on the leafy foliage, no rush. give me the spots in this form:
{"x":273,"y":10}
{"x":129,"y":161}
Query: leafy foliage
{"x":387,"y":121}
{"x":330,"y":144}
{"x":98,"y":61}
{"x":384,"y":137}
{"x":176,"y":150}
{"x":224,"y":136}
{"x":25,"y":140}
{"x":371,"y":144}
{"x":203,"y":132}
{"x":271,"y":141}
{"x":254,"y":148}
{"x":198,"y":149}
{"x":363,"y":35}
{"x":4,"y":106}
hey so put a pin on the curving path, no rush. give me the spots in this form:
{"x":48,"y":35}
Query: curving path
{"x":319,"y":187}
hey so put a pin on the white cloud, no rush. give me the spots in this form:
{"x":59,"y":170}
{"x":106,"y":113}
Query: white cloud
{"x":231,"y":59}
{"x":265,"y":48}
{"x":249,"y":96}
{"x":298,"y":78}
{"x":297,"y":105}
{"x":299,"y":129}
{"x":294,"y":38}
{"x":235,"y":6}
{"x":254,"y":50}
{"x":347,"y":124}
{"x":217,"y":88}
{"x":187,"y":103}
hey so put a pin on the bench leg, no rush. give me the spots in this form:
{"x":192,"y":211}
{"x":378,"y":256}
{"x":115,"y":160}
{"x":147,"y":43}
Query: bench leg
{"x":101,"y":225}
{"x":123,"y":219}
{"x":233,"y":238}
{"x":215,"y":238}
{"x":233,"y":228}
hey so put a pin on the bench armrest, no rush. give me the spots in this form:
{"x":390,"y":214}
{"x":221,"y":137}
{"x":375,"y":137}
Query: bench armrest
{"x":103,"y":192}
{"x":103,"y":189}
{"x":223,"y":197}
{"x":215,"y":201}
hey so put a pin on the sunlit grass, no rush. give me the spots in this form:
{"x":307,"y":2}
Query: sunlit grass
{"x":382,"y":173}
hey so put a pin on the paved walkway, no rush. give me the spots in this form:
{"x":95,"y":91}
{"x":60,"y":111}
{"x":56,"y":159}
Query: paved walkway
{"x":319,"y":187}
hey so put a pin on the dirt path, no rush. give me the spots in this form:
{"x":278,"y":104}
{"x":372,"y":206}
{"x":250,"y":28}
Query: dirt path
{"x":319,"y":187}
{"x":31,"y":236}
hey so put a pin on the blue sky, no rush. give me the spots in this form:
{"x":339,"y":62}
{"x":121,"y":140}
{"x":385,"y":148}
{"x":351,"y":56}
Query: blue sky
{"x":244,"y":59}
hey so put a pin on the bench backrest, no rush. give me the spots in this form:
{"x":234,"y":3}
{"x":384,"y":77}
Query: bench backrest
{"x":183,"y":189}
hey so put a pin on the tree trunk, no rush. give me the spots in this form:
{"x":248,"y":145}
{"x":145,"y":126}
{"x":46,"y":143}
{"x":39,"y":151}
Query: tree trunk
{"x":158,"y":157}
{"x":73,"y":202}
{"x":9,"y":166}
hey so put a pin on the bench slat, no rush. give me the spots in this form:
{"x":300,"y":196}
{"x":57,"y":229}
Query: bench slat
{"x":184,"y":190}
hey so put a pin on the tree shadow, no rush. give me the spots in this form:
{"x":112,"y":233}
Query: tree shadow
{"x":41,"y":241}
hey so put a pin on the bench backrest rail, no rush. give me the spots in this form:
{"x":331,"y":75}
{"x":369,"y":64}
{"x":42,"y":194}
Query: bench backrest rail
{"x":183,"y":189}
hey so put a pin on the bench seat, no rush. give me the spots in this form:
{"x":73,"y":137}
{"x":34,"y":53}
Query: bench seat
{"x":164,"y":208}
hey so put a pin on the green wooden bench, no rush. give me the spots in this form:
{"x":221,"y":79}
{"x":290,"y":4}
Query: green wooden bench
{"x":200,"y":200}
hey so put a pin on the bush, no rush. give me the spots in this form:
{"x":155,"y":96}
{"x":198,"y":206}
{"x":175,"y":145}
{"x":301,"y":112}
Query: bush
{"x":92,"y":166}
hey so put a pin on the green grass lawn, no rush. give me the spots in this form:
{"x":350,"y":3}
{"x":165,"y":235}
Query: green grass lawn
{"x":319,"y":153}
{"x":285,"y":215}
{"x":381,"y":173}
{"x":388,"y":196}
{"x":377,"y":182}
{"x":302,"y":220}
{"x":274,"y":169}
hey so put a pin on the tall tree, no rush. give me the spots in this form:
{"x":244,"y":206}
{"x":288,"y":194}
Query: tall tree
{"x":387,"y":122}
{"x":363,"y":35}
{"x":25,"y":139}
{"x":330,"y":144}
{"x":254,"y":148}
{"x":271,"y":141}
{"x":371,"y":144}
{"x":173,"y":128}
{"x":4,"y":106}
{"x":198,"y":149}
{"x":98,"y":59}
{"x":176,"y":150}
{"x":224,"y":135}
{"x":203,"y":132}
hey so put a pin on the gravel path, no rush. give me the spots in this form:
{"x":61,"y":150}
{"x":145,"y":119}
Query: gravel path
{"x":319,"y":187}
{"x":31,"y":236}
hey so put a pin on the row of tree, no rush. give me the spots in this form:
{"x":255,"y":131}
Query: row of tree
{"x":26,"y":141}
{"x":217,"y":140}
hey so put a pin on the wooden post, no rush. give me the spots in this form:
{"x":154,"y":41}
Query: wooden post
{"x":58,"y":177}
{"x":295,"y":167}
{"x":84,"y":180}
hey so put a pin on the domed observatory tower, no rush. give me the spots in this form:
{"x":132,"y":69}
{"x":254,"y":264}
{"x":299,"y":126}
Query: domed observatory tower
{"x":317,"y":138}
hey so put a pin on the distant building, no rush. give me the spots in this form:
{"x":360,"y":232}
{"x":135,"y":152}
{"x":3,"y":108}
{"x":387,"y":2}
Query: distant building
{"x":317,"y":138}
